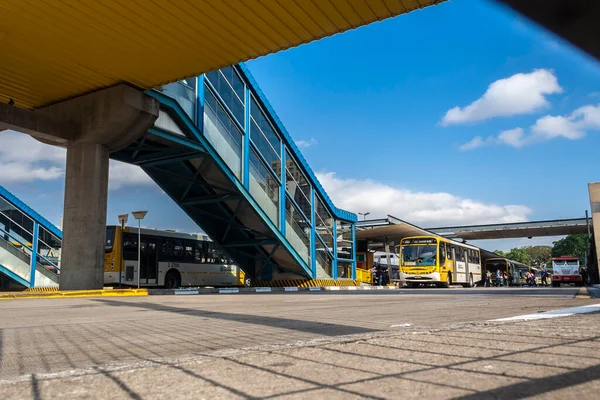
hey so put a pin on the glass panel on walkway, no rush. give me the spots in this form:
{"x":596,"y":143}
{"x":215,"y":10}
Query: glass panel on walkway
{"x":324,"y":223}
{"x":324,"y":261}
{"x":344,"y":269}
{"x":231,"y":89}
{"x":264,"y":137}
{"x":297,"y":231}
{"x":222,"y":133}
{"x":264,"y":187}
{"x":345,"y":243}
{"x":297,"y":185}
{"x":185,"y":93}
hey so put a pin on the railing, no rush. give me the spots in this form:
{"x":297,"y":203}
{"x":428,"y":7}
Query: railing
{"x":24,"y":253}
{"x":364,"y":275}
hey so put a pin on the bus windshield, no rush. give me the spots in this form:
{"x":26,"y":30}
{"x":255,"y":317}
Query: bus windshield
{"x":419,"y":255}
{"x":110,"y":238}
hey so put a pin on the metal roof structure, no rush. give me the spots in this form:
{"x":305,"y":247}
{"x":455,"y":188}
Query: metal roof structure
{"x":556,"y":227}
{"x":389,"y":229}
{"x":52,"y":51}
{"x":392,"y":229}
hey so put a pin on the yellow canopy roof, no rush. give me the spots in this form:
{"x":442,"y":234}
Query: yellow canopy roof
{"x":55,"y":50}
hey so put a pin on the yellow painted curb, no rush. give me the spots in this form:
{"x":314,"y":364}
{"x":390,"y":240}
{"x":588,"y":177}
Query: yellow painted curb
{"x":583,"y":293}
{"x":75,"y":293}
{"x":306,"y":283}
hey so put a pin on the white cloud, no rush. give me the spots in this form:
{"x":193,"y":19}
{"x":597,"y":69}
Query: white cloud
{"x":24,"y":159}
{"x":478,"y":142}
{"x":513,"y":137}
{"x":573,"y":127}
{"x":122,"y":174}
{"x":518,"y":94}
{"x":303,"y":144}
{"x":421,"y":208}
{"x":550,"y":127}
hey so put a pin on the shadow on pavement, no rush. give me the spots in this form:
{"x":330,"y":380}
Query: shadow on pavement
{"x":323,"y":328}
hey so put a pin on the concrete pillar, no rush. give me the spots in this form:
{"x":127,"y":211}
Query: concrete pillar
{"x":594,"y":189}
{"x":89,"y":127}
{"x":84,"y":222}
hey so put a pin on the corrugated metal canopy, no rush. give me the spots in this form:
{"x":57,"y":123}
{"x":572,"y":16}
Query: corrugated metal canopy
{"x":54,"y":50}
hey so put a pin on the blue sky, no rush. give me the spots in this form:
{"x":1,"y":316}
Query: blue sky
{"x":370,"y":108}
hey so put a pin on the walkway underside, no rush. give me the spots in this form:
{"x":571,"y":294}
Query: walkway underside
{"x":186,"y":167}
{"x":149,"y":44}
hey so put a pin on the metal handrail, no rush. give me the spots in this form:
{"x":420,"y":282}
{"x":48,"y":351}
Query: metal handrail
{"x":29,"y":248}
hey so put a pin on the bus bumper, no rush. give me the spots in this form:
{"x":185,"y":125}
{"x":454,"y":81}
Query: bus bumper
{"x":566,"y":278}
{"x":421,"y":278}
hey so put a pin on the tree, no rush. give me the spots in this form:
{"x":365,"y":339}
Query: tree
{"x":518,"y":254}
{"x":500,"y":253}
{"x":572,"y":245}
{"x":539,"y":254}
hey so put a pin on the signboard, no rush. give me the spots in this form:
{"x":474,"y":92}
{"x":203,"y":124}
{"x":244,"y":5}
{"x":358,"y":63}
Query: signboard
{"x":419,"y":241}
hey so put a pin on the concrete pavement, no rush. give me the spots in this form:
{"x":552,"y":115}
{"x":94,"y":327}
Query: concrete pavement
{"x":301,"y":345}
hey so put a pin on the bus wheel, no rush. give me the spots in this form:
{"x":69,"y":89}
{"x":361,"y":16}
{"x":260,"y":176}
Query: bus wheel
{"x":173,"y":279}
{"x":470,"y":284}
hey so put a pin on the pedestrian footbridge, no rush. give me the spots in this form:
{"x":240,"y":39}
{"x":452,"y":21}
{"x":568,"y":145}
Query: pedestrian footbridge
{"x":220,"y":152}
{"x":29,"y":246}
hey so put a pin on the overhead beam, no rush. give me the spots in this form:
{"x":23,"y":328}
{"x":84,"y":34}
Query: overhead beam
{"x":576,"y":21}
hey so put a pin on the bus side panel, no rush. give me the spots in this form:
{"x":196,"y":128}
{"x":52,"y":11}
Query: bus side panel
{"x":202,"y":274}
{"x":112,"y":260}
{"x":460,"y":275}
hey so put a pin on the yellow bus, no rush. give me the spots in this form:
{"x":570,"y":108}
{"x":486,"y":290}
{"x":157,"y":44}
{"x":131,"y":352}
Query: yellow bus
{"x":168,"y":259}
{"x":515,"y":271}
{"x":439,"y":261}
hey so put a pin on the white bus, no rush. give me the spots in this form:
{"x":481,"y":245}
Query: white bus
{"x":168,"y":259}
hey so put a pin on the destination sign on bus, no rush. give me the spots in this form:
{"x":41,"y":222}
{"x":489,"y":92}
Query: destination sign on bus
{"x":419,"y":241}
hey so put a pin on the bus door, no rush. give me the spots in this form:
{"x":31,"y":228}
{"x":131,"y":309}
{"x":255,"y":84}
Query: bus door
{"x":149,"y":262}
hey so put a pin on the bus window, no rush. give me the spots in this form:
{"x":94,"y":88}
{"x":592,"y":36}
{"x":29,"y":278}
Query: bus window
{"x":199,"y":252}
{"x":130,"y":247}
{"x":449,"y":252}
{"x":188,"y":251}
{"x":442,"y":253}
{"x":110,"y":238}
{"x":177,"y":249}
{"x":458,"y":252}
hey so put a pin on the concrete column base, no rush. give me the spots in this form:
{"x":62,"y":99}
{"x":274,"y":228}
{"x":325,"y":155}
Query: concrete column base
{"x":84,"y":221}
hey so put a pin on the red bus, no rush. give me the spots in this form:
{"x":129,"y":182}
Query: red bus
{"x":566,"y":270}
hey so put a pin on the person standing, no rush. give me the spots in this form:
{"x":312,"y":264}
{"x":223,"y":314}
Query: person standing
{"x":499,"y":278}
{"x":544,"y":277}
{"x":488,"y":279}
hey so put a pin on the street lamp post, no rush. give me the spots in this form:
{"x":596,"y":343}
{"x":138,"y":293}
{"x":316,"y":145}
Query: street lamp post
{"x":139,"y":215}
{"x":122,"y":221}
{"x":364,"y":215}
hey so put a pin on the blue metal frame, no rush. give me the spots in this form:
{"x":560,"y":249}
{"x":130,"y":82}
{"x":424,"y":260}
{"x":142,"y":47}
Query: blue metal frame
{"x":202,"y":143}
{"x":30,"y":212}
{"x":353,"y":251}
{"x":246,"y":142}
{"x":16,"y":239}
{"x":199,"y":197}
{"x":285,"y":136}
{"x":282,"y":192}
{"x":335,"y":270}
{"x":13,"y":276}
{"x":313,"y":234}
{"x":34,"y":251}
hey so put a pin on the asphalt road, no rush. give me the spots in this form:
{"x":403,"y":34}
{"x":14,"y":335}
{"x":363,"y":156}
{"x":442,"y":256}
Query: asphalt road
{"x":426,"y":343}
